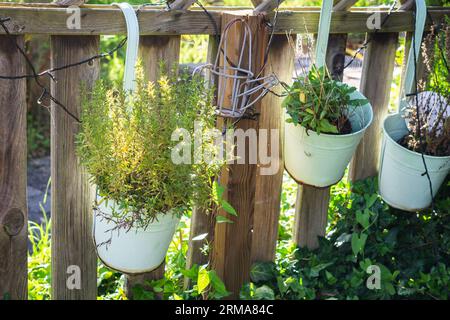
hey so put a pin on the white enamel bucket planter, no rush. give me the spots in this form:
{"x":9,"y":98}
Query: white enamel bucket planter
{"x":402,"y":183}
{"x":320,"y":160}
{"x":136,"y":250}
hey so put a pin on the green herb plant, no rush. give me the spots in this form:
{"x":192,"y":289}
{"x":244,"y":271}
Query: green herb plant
{"x":125,"y":143}
{"x":321,"y":104}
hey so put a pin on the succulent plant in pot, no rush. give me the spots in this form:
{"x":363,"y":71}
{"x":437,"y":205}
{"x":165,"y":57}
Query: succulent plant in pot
{"x":126,"y":144}
{"x":325,"y":121}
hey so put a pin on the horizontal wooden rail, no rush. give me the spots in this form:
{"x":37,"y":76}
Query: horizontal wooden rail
{"x":106,"y":20}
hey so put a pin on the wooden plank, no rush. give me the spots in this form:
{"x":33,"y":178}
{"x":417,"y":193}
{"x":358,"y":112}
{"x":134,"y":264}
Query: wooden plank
{"x":311,"y":215}
{"x":72,"y":246}
{"x":311,"y":210}
{"x":232,"y":241}
{"x":378,"y":68}
{"x":268,"y":186}
{"x":152,"y":51}
{"x":104,"y":20}
{"x":201,"y":221}
{"x":156,"y":49}
{"x":13,"y":173}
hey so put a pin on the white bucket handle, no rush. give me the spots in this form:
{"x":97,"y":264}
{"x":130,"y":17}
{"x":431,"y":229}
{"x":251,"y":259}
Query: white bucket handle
{"x":323,"y":32}
{"x":421,"y":17}
{"x":129,"y":76}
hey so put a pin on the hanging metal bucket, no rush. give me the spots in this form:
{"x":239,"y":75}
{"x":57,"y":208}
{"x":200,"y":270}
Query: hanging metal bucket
{"x":136,"y":250}
{"x":402,"y":183}
{"x":320,"y":160}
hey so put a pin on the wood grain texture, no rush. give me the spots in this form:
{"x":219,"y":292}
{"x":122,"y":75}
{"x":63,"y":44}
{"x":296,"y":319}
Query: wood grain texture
{"x":377,"y":74}
{"x":71,"y":191}
{"x":13,"y":173}
{"x":101,"y":19}
{"x":311,"y":215}
{"x":202,"y":222}
{"x":232,"y":241}
{"x":268,"y":186}
{"x":152,"y":51}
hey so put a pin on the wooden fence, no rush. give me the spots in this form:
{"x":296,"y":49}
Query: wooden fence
{"x":252,"y":236}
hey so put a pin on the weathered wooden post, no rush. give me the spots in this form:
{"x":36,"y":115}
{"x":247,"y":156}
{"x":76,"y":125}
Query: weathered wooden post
{"x":376,"y":79}
{"x":268,"y":187}
{"x":74,"y":261}
{"x":13,"y":172}
{"x":232,"y":241}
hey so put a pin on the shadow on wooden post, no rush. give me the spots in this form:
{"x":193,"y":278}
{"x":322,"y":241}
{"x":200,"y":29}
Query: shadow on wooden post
{"x":73,"y":252}
{"x":268,"y":187}
{"x":376,"y":79}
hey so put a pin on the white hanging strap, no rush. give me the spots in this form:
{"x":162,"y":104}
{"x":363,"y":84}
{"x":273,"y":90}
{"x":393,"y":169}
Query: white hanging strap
{"x":129,"y":76}
{"x":323,"y":33}
{"x":421,"y":17}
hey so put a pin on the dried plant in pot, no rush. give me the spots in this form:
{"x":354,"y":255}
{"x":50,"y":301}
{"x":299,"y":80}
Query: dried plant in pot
{"x":325,"y":121}
{"x":413,"y":139}
{"x":415,"y":154}
{"x":128,"y":144}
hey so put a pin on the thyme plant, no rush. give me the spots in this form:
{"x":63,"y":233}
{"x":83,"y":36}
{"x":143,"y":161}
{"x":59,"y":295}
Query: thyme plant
{"x":125,"y":144}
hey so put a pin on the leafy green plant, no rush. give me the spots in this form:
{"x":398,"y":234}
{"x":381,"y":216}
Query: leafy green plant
{"x":412,"y":252}
{"x":205,"y":284}
{"x":321,"y":104}
{"x":126,"y":144}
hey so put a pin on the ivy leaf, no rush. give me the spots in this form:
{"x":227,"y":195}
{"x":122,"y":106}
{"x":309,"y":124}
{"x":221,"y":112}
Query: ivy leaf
{"x":316,"y":269}
{"x":370,"y":201}
{"x":358,"y":242}
{"x":264,"y":293}
{"x":363,"y":218}
{"x":262,"y":271}
{"x":218,"y":285}
{"x":191,"y":273}
{"x":203,"y":280}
